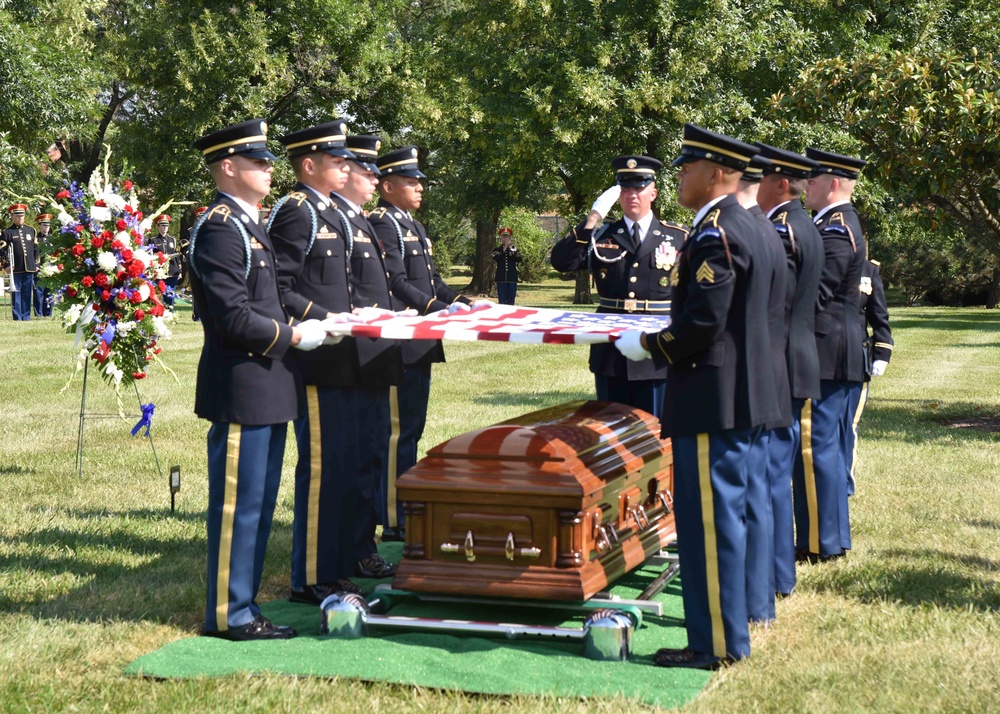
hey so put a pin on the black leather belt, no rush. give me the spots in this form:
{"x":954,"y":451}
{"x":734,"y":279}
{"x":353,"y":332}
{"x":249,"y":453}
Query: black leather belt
{"x":631,"y":305}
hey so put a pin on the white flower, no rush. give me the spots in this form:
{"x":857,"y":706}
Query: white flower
{"x":48,"y":270}
{"x":143,"y":257}
{"x":65,"y":218}
{"x":145,"y":225}
{"x":112,"y":369}
{"x":160,"y":328}
{"x":95,"y":187}
{"x":114,"y":201}
{"x":81,"y":356}
{"x":72,"y":315}
{"x":100,"y":214}
{"x":144,"y":291}
{"x":107,"y":262}
{"x":124,"y":327}
{"x":124,"y":238}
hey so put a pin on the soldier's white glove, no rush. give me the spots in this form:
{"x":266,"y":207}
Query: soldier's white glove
{"x":629,"y":343}
{"x":370,"y":313}
{"x":338,"y":318}
{"x":456,"y":307}
{"x":878,"y":367}
{"x":311,"y":335}
{"x":476,"y":304}
{"x":606,"y":200}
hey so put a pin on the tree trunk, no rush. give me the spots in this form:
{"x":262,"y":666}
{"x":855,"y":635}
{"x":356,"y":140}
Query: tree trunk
{"x":993,"y":294}
{"x":483,"y":268}
{"x":581,"y":295}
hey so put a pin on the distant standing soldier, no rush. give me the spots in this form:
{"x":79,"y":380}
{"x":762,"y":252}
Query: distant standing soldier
{"x":506,"y":256}
{"x":17,"y":256}
{"x":43,"y":296}
{"x":167,"y":244}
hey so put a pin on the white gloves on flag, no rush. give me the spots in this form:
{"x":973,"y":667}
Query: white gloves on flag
{"x":629,"y":343}
{"x":606,"y":200}
{"x":311,"y":335}
{"x":476,"y":304}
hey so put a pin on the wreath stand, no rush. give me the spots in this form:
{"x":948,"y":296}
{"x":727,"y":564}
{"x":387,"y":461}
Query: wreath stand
{"x":83,"y":420}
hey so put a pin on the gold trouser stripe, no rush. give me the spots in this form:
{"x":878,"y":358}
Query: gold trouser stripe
{"x":854,"y":425}
{"x":315,"y":481}
{"x":711,"y":547}
{"x":390,"y":496}
{"x":809,"y":474}
{"x":226,"y":528}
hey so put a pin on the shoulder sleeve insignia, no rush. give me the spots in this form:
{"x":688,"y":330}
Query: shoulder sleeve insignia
{"x":839,"y":230}
{"x":221,"y":211}
{"x":705,"y":274}
{"x":710,"y":232}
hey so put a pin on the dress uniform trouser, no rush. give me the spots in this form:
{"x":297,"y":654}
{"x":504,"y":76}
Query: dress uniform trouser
{"x":244,"y":471}
{"x":820,"y":482}
{"x":42,"y":301}
{"x":327,"y":468}
{"x":506,"y":293}
{"x":408,"y":417}
{"x":783,"y":455}
{"x":645,"y":394}
{"x":857,"y":397}
{"x":760,"y":534}
{"x":710,"y":491}
{"x":372,"y":415}
{"x":20,"y":301}
{"x":170,"y":294}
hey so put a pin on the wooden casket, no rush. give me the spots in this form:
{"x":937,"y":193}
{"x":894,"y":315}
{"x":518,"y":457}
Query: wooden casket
{"x":554,"y":505}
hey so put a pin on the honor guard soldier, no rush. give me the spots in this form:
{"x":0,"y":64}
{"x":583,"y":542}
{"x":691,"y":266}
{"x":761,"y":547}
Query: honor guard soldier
{"x":631,"y":262}
{"x":247,"y":381}
{"x":873,"y":313}
{"x":17,"y":256}
{"x":762,"y":470}
{"x":167,"y":244}
{"x":506,"y":256}
{"x":719,"y":392}
{"x":779,"y":196}
{"x":380,"y":363}
{"x":311,"y":241}
{"x":43,"y":296}
{"x":839,"y":337}
{"x":409,"y":254}
{"x":185,"y":267}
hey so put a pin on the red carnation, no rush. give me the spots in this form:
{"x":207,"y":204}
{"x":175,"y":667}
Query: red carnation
{"x":71,"y":291}
{"x":106,"y":295}
{"x":161,"y":286}
{"x":62,"y":195}
{"x":120,"y":224}
{"x":138,"y":215}
{"x":87,"y":281}
{"x":97,"y":241}
{"x":120,"y":276}
{"x":139,"y":314}
{"x":136,"y":298}
{"x":134,"y":269}
{"x":102,"y":280}
{"x":135,"y":234}
{"x":77,"y":250}
{"x":161,"y":257}
{"x":129,"y":210}
{"x":60,"y":266}
{"x":127,"y":186}
{"x":121,"y":297}
{"x":139,"y":375}
{"x":101,"y":203}
{"x":158,"y":350}
{"x":156,"y":311}
{"x":126,"y":255}
{"x":79,"y":228}
{"x":107,"y":235}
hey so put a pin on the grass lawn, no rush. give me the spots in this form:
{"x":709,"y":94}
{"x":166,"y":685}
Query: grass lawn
{"x":96,"y":571}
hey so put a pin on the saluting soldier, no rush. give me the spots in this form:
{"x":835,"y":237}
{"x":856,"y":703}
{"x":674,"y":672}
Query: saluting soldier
{"x":780,"y":197}
{"x":43,"y":296}
{"x":380,"y":363}
{"x":840,"y":340}
{"x":631,"y":262}
{"x":167,"y":244}
{"x":719,"y":393}
{"x":760,"y":518}
{"x":409,"y":256}
{"x":247,"y":381}
{"x":506,"y":256}
{"x":17,"y":256}
{"x":878,"y":344}
{"x":312,"y":242}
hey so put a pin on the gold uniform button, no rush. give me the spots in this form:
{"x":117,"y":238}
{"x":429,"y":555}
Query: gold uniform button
{"x":390,"y":293}
{"x":632,"y":279}
{"x":631,"y":295}
{"x":366,"y":254}
{"x":414,"y":251}
{"x":329,"y":252}
{"x":635,"y":265}
{"x":262,"y":264}
{"x":387,"y":274}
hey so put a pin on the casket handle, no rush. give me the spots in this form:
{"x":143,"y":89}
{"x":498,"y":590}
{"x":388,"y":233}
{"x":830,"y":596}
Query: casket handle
{"x":470,"y":547}
{"x":639,"y":514}
{"x":663,"y":499}
{"x":510,"y":549}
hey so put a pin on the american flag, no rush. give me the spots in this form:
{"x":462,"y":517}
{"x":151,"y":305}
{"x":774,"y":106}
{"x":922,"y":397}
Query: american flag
{"x":506,"y":323}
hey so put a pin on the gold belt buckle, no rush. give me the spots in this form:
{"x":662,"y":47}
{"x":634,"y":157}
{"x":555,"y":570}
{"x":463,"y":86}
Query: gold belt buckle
{"x":630,"y":305}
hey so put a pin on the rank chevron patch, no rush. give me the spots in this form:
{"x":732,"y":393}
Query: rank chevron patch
{"x":705,"y":274}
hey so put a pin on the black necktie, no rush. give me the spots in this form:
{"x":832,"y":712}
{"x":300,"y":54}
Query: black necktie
{"x":636,"y":235}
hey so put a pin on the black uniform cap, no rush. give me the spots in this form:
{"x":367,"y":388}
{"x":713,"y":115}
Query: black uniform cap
{"x":328,"y":137}
{"x":787,"y":163}
{"x":836,"y":164}
{"x":248,"y":138}
{"x":400,"y":162}
{"x":635,"y":171}
{"x":754,"y":171}
{"x":698,"y":143}
{"x":365,"y":149}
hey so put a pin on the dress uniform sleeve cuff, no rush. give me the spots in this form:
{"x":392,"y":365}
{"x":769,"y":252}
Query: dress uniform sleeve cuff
{"x":661,"y":354}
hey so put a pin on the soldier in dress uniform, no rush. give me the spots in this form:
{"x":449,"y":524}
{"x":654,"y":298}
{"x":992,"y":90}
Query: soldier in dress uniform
{"x":380,"y":363}
{"x":878,"y":344}
{"x":760,"y":518}
{"x":185,"y":267}
{"x":409,"y":255}
{"x":311,"y":243}
{"x":43,"y":296}
{"x":840,"y":340}
{"x":247,"y":381}
{"x":719,"y":393}
{"x":167,"y":244}
{"x":506,"y":256}
{"x":17,"y":256}
{"x":779,"y":197}
{"x":631,"y":262}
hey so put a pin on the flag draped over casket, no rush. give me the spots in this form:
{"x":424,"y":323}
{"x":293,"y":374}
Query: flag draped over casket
{"x":505,"y":323}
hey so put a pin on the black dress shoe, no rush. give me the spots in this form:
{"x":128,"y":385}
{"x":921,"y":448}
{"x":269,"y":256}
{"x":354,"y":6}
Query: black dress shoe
{"x":689,"y":659}
{"x":259,"y":629}
{"x":393,"y":535}
{"x":375,"y":566}
{"x":316,"y":594}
